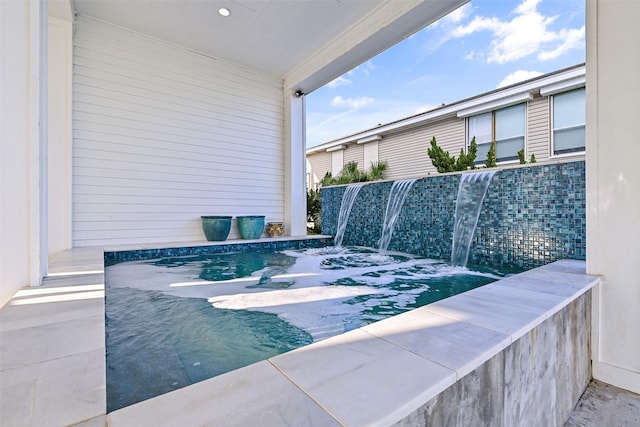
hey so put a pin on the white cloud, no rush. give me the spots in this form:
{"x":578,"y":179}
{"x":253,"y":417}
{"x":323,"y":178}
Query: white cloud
{"x":517,"y":77}
{"x":527,"y":33}
{"x":353,"y":103}
{"x":339,"y":82}
{"x":572,"y":39}
{"x":367,"y":67}
{"x":455,"y":17}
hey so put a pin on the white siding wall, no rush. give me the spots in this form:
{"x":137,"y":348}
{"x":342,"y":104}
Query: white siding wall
{"x":538,"y":134}
{"x":163,"y":135}
{"x":406,"y":152}
{"x":320,"y":165}
{"x":354,"y":153}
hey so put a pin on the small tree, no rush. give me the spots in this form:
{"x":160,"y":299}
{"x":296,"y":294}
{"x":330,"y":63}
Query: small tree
{"x":521,"y":157}
{"x":491,"y":156}
{"x":473,"y":152}
{"x":441,"y":159}
{"x":443,"y":162}
{"x":533,"y":158}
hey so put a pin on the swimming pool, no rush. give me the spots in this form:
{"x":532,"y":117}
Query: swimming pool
{"x":174,"y":321}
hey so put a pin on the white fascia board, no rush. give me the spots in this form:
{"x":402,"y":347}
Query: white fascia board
{"x":336,"y":148}
{"x":368,"y":139}
{"x":510,"y":96}
{"x":388,"y":24}
{"x":564,"y":86}
{"x":497,"y":103}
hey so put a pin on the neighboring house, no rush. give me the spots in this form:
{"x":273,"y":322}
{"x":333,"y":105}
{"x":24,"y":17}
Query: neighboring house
{"x":544,"y":116}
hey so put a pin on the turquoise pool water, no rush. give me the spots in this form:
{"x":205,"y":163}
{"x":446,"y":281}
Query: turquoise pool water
{"x":172,"y":322}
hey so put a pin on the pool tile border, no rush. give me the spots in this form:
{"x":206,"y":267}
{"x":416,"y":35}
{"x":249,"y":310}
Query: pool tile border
{"x":116,"y":255}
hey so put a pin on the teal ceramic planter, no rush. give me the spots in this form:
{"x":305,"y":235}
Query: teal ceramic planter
{"x":251,"y":226}
{"x":216,"y":228}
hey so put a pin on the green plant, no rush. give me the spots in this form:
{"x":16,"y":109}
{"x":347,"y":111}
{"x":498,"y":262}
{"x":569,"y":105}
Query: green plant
{"x":377,"y":170}
{"x":327,"y":179}
{"x":521,"y":157}
{"x":350,"y":174}
{"x":440,"y":159}
{"x":533,"y":158}
{"x":314,"y":211}
{"x":443,"y":162}
{"x":491,"y":156}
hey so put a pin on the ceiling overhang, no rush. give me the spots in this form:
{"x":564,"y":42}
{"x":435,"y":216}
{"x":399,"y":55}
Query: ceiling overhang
{"x":304,"y":43}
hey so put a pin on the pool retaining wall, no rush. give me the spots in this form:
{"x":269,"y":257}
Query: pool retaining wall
{"x":531,"y":216}
{"x":535,"y":381}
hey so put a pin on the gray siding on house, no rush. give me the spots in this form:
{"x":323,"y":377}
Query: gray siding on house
{"x":163,"y":135}
{"x":537,"y":140}
{"x":355,"y":153}
{"x":406,"y":152}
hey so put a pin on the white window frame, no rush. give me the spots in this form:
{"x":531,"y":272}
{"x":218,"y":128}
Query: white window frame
{"x":552,"y":128}
{"x":493,"y":135}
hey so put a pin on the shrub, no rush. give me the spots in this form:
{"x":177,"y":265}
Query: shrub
{"x":521,"y":157}
{"x":491,"y":156}
{"x":350,"y":174}
{"x":533,"y":158}
{"x":377,"y":170}
{"x":314,"y":209}
{"x":443,"y":162}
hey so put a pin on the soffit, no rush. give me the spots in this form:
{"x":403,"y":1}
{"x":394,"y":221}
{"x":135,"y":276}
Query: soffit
{"x":305,"y":42}
{"x":271,"y":36}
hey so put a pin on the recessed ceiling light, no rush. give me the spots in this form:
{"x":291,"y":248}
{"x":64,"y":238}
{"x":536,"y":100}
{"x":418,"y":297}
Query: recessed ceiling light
{"x":223,"y":11}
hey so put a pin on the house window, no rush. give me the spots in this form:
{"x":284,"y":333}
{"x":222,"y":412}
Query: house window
{"x":568,"y":122}
{"x":505,"y":126}
{"x":481,"y":127}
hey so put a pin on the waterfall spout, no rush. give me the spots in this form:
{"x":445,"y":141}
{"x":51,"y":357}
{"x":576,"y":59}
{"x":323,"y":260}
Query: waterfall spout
{"x":397,"y":195}
{"x":349,"y":196}
{"x":471,"y":193}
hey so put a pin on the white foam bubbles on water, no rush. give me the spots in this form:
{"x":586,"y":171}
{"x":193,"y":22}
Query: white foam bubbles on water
{"x":324,"y":292}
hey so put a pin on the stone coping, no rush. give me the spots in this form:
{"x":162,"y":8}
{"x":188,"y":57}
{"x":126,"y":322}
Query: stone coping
{"x":378,"y":374}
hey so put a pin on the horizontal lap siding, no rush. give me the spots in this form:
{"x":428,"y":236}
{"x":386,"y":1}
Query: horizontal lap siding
{"x":538,"y":122}
{"x":320,"y":164}
{"x":406,"y":152}
{"x":354,"y":153}
{"x":163,"y":135}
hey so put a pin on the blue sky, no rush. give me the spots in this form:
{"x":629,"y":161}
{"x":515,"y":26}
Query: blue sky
{"x":481,"y":46}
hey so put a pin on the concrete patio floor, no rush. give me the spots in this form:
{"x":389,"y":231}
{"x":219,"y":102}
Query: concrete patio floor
{"x":59,"y":328}
{"x":605,"y":405}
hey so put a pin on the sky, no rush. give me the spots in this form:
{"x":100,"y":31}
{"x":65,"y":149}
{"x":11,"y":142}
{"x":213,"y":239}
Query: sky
{"x":483,"y":45}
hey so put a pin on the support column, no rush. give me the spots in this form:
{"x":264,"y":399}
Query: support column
{"x":613,"y":198}
{"x":38,"y":246}
{"x":295,"y":199}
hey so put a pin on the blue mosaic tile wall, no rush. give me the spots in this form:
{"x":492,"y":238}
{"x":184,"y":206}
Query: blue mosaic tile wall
{"x":115,"y":257}
{"x":531,"y":216}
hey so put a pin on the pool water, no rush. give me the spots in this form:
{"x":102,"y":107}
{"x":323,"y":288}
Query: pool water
{"x":172,"y":322}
